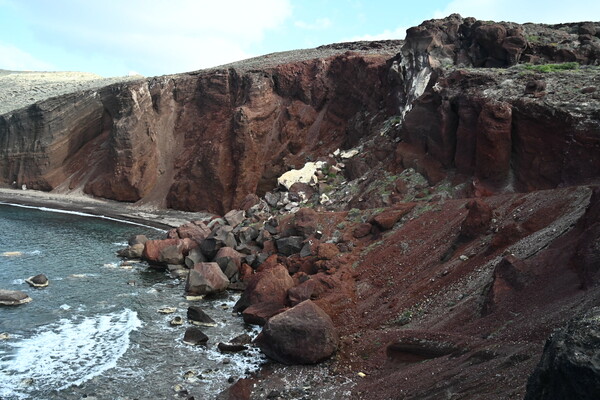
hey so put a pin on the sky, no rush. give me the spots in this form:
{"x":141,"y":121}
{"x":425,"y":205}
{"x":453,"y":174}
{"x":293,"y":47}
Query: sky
{"x":152,"y":37}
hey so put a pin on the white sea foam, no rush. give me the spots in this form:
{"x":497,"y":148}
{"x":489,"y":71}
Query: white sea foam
{"x":67,"y":353}
{"x":18,"y":281}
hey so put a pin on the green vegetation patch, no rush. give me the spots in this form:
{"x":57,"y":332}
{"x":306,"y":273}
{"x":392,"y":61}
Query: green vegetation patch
{"x":545,"y":68}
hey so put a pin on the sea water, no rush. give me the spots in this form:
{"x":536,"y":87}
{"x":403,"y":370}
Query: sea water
{"x":95,"y":331}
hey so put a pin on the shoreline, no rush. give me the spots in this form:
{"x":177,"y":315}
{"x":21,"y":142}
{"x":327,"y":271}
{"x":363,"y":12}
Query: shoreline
{"x":94,"y":207}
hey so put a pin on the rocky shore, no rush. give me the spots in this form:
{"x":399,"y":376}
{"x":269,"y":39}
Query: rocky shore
{"x":426,"y":210}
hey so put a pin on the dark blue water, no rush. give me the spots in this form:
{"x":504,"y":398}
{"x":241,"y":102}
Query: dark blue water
{"x":95,"y":332}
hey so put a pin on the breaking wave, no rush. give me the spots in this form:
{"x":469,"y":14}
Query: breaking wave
{"x":67,"y":353}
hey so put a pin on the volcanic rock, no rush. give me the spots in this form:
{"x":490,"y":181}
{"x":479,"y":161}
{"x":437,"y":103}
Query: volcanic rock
{"x":195,"y":231}
{"x":197,"y":316}
{"x":290,"y":245}
{"x":229,"y":260}
{"x":388,"y":218}
{"x":206,"y":278}
{"x":569,"y":367}
{"x":132,"y":251}
{"x":268,"y":286}
{"x":304,"y":334}
{"x":137,"y":239}
{"x":39,"y":280}
{"x":478,"y":219}
{"x":194,"y":336}
{"x":13,"y":297}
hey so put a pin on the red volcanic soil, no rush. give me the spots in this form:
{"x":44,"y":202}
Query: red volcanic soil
{"x":436,"y":315}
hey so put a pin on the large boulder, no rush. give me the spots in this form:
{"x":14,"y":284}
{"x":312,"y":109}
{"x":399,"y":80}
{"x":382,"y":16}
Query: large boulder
{"x":269,"y":285}
{"x":13,"y":297}
{"x":194,"y":336}
{"x":569,"y":367}
{"x":167,"y":251}
{"x":290,"y":245}
{"x":205,"y":278}
{"x":230,"y":261}
{"x":197,"y":231}
{"x":303,"y":334}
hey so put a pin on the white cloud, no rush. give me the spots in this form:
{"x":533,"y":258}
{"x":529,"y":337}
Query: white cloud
{"x":398,"y":33}
{"x":15,"y":59}
{"x":541,"y":11}
{"x":319,"y":24}
{"x":153,"y":36}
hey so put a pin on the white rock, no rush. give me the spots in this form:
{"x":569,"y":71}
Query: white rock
{"x":348,"y":153}
{"x":304,"y":175}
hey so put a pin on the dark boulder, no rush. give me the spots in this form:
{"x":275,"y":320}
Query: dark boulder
{"x":570,"y":366}
{"x":197,"y":316}
{"x":13,"y":297}
{"x":290,"y":245}
{"x":303,"y":334}
{"x":39,"y":280}
{"x":194,"y":336}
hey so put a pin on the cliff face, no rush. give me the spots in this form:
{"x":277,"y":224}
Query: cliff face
{"x":197,"y":141}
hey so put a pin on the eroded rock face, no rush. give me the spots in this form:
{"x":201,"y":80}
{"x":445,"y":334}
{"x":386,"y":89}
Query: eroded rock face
{"x":569,"y":366}
{"x":197,"y":141}
{"x":302,"y":335}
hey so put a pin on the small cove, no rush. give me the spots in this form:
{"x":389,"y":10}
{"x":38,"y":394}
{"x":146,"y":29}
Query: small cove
{"x":95,"y":331}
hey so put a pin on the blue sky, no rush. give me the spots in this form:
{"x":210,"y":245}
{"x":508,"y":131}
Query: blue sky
{"x":152,"y":37}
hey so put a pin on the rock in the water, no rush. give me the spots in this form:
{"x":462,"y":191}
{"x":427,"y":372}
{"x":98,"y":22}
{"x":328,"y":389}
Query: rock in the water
{"x":197,"y":316}
{"x":303,"y":334}
{"x":167,"y":310}
{"x":13,"y":297}
{"x":206,"y":278}
{"x":194,"y":336}
{"x":177,"y":320}
{"x":230,"y":347}
{"x":195,"y":231}
{"x":137,"y":239}
{"x":133,"y":251}
{"x":39,"y":280}
{"x":570,"y":364}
